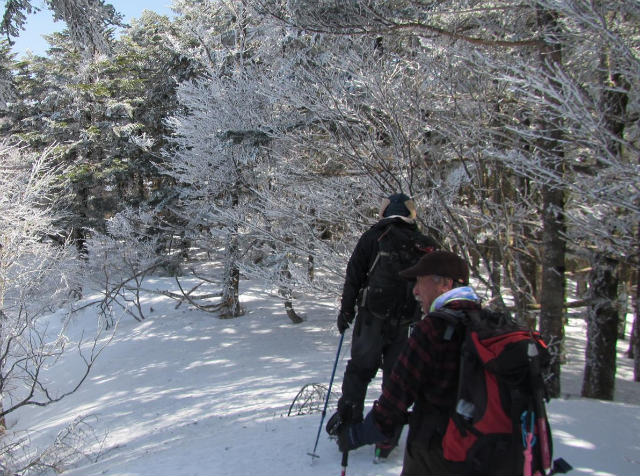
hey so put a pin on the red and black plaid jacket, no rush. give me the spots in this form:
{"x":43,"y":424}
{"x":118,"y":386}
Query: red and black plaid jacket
{"x":425,"y":375}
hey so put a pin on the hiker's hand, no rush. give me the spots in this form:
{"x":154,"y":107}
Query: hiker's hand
{"x":359,"y":434}
{"x":344,"y":319}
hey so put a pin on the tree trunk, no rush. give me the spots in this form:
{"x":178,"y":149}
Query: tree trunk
{"x":525,"y":273}
{"x":581,"y":286}
{"x":3,"y":424}
{"x":524,"y":266}
{"x":525,"y":278}
{"x":552,"y":292}
{"x":624,"y":285}
{"x":230,"y":303}
{"x":495,"y":266}
{"x":286,"y":293}
{"x":291,"y":313}
{"x":634,"y":340}
{"x":311,"y":267}
{"x":635,"y":345}
{"x":613,"y":103}
{"x":602,"y":330}
{"x":633,"y":336}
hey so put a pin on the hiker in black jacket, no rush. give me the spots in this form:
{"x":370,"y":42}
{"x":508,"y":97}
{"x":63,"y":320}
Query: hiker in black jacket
{"x":381,"y":327}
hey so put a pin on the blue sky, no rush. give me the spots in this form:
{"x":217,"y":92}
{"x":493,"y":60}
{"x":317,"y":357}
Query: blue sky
{"x":42,"y":22}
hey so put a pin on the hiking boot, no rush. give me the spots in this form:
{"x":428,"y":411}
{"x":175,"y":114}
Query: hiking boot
{"x":382,"y":451}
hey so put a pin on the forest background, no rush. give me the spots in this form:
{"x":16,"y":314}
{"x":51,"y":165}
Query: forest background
{"x":264,"y":133}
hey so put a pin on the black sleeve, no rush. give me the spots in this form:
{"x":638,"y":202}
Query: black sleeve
{"x":357,"y":270}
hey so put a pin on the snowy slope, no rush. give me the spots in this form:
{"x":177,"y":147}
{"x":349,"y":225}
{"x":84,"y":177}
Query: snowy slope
{"x":186,"y":393}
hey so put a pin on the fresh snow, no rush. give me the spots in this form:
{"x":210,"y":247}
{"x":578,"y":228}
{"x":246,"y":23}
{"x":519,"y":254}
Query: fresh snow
{"x":186,"y":393}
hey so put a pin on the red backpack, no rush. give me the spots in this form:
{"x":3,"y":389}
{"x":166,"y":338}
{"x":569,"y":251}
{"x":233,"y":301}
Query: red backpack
{"x":499,"y":424}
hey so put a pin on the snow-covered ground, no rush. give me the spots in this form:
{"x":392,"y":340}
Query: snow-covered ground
{"x":186,"y":393}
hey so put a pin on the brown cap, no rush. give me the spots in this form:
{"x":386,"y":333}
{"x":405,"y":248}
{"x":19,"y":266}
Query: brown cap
{"x":441,"y":263}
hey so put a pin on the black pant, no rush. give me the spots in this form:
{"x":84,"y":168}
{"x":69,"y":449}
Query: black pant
{"x":375,"y":344}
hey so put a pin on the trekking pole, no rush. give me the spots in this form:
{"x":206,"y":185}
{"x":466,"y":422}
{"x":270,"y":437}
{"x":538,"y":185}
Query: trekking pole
{"x":528,"y":440}
{"x":345,"y":461}
{"x":326,"y":400}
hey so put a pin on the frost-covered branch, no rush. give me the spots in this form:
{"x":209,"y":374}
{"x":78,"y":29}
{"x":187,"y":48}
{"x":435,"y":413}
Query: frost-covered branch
{"x":39,"y":272}
{"x":75,"y":442}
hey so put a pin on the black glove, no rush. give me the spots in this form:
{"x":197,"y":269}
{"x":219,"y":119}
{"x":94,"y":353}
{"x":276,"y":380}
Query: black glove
{"x":344,"y":319}
{"x":335,"y":424}
{"x":359,"y":434}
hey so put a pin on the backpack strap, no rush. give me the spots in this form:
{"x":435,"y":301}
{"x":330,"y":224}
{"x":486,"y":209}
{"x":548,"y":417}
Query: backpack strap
{"x":362,"y":298}
{"x":463,"y":412}
{"x":380,"y":252}
{"x":454,"y":319}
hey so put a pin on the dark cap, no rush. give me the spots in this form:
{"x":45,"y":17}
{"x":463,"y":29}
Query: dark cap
{"x":441,"y":263}
{"x":398,"y":204}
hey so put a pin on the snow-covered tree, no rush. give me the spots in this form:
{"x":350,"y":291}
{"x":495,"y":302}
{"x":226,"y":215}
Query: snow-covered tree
{"x":38,"y":271}
{"x":587,"y":96}
{"x":398,"y":104}
{"x":90,"y":22}
{"x":7,"y":88}
{"x":216,"y":161}
{"x":90,"y":25}
{"x":238,"y":168}
{"x":98,"y":112}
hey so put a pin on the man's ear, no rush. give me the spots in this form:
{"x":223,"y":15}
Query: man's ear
{"x":449,"y":284}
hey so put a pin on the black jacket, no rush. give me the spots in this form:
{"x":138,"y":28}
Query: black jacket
{"x":363,"y":257}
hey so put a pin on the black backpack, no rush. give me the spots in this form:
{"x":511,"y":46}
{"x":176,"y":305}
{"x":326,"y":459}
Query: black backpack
{"x":499,"y":424}
{"x":387,"y":295}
